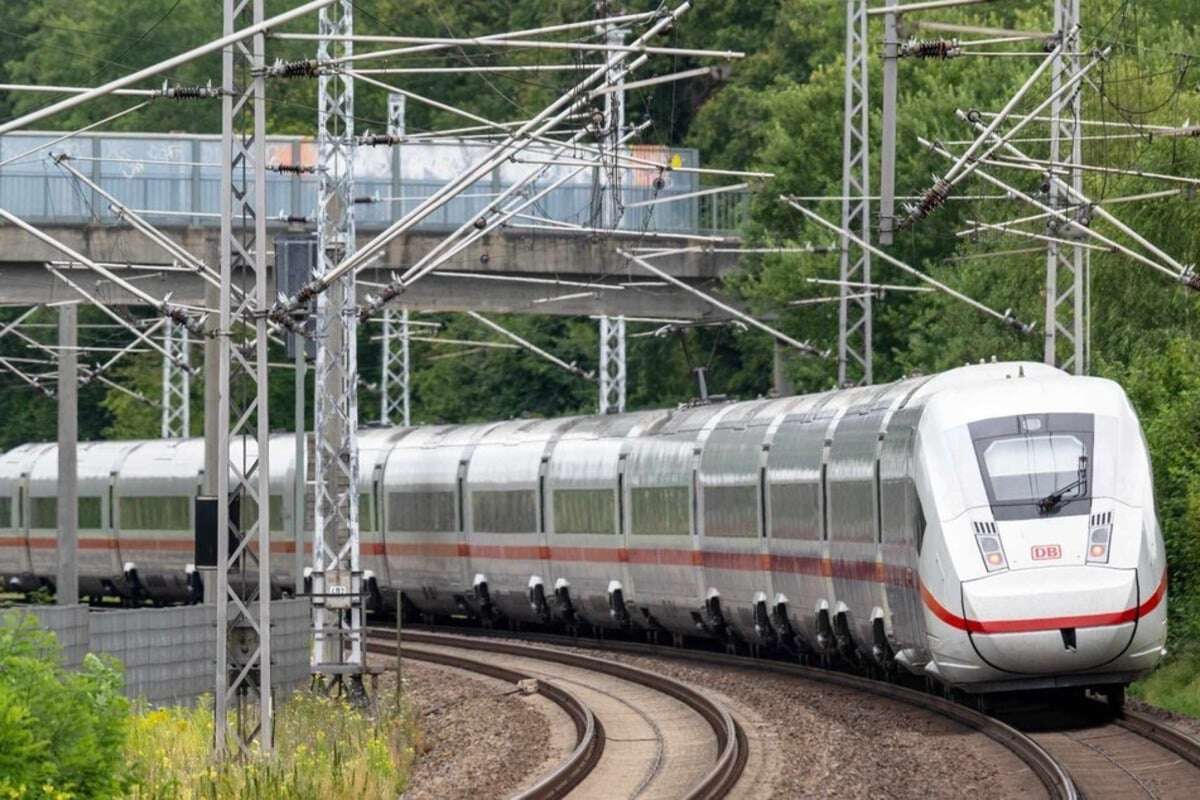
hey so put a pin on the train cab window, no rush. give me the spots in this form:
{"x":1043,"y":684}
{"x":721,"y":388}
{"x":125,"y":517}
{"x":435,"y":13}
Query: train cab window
{"x":43,"y":512}
{"x":1035,"y":464}
{"x":584,"y":511}
{"x":90,"y":516}
{"x":504,"y":511}
{"x":6,"y":520}
{"x":660,"y":511}
{"x":421,"y":512}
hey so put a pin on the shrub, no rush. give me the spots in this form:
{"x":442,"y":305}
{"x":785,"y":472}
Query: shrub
{"x":323,"y":747}
{"x":61,"y":731}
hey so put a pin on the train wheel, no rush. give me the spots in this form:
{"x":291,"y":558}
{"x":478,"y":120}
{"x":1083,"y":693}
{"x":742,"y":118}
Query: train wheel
{"x":1115,"y":697}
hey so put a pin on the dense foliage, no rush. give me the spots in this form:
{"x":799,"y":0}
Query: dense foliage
{"x":61,"y":731}
{"x":781,"y":111}
{"x":323,"y":747}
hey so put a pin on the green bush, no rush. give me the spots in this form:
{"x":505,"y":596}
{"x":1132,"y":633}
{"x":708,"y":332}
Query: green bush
{"x":61,"y":731}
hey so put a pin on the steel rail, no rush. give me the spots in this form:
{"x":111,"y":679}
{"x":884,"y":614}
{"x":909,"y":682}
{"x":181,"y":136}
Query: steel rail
{"x":732,"y":745}
{"x":1077,"y":725}
{"x":1161,"y":734}
{"x":589,"y":732}
{"x":1046,"y":768}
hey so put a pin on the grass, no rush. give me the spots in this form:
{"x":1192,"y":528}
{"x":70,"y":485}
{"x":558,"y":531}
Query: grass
{"x":1174,"y":686}
{"x":323,"y":746}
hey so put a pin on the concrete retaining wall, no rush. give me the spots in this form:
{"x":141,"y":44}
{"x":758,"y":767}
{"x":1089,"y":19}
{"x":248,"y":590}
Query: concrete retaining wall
{"x":169,"y":653}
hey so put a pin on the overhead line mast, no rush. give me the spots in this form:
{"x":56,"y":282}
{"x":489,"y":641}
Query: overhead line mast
{"x":338,"y":591}
{"x":243,"y":574}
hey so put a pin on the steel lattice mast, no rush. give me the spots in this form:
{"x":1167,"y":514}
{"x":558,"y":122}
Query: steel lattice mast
{"x":394,"y":384}
{"x":1066,"y":266}
{"x":176,"y":382}
{"x":395,"y":389}
{"x":854,"y":307}
{"x":612,"y":331}
{"x":337,"y":589}
{"x":612,"y":365}
{"x":243,"y":663}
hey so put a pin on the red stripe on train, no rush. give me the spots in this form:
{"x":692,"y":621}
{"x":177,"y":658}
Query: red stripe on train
{"x":1043,"y":623}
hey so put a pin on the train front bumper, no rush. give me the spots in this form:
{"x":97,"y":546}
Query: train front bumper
{"x":1053,"y":619}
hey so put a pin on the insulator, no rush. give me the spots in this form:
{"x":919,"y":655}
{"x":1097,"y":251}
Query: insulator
{"x":930,"y":202}
{"x":379,"y":140}
{"x":291,"y":169}
{"x":189,"y":92}
{"x":930,"y":48}
{"x":296,"y":219}
{"x":363,"y":201}
{"x":308,"y":68}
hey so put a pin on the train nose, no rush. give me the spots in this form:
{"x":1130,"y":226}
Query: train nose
{"x":1051,"y":620}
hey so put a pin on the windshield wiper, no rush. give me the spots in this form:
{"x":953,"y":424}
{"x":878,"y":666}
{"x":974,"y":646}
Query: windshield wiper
{"x":1051,"y":501}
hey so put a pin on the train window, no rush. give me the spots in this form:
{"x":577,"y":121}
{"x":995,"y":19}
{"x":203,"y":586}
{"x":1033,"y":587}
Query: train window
{"x":795,"y":511}
{"x":1032,"y":467}
{"x":43,"y":512}
{"x":155,"y":513}
{"x":920,"y":526}
{"x":249,"y":510}
{"x":6,"y":520}
{"x":421,"y":512}
{"x":731,"y":510}
{"x":1035,"y":464}
{"x":366,"y":514}
{"x":584,"y":511}
{"x":504,"y":511}
{"x":90,"y":517}
{"x":660,"y":511}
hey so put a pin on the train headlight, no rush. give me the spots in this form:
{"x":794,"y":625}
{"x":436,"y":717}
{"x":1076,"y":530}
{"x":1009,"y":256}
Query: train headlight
{"x":992,"y":551}
{"x":1098,"y":544}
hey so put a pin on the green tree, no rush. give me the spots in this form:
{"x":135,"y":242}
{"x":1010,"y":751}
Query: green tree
{"x":62,"y":731}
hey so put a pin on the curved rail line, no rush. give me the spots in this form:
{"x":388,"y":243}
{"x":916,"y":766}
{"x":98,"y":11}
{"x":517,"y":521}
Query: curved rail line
{"x":1049,"y":771}
{"x":1131,"y":755}
{"x":732,"y":745}
{"x":589,"y":732}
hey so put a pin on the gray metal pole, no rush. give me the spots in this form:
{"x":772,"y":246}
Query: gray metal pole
{"x":300,"y":469}
{"x":780,"y":382}
{"x":67,"y":584}
{"x":887,"y":143}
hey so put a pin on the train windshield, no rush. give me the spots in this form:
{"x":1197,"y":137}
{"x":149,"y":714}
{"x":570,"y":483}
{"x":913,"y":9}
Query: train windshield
{"x":1033,"y":465}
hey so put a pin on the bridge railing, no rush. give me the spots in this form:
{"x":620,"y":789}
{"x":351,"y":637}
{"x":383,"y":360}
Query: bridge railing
{"x":177,"y":177}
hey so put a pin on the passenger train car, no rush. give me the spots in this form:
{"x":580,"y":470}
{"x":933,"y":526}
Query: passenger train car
{"x":992,"y":527}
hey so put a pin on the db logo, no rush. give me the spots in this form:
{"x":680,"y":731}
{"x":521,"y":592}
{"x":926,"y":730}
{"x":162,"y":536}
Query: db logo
{"x":1046,"y":552}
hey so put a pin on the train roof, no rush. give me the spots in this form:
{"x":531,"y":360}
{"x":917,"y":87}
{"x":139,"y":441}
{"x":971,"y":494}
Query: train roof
{"x":163,"y":458}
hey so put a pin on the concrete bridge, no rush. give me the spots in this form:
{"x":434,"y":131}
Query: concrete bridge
{"x":175,"y":179}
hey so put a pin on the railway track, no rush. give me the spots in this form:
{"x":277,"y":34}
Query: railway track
{"x":618,"y":712}
{"x":1123,"y":757}
{"x":1048,"y":769}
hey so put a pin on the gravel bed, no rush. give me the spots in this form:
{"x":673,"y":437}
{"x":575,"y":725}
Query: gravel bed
{"x":827,"y":741}
{"x":476,"y":740}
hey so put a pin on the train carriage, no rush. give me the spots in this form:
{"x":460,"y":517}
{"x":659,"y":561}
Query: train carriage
{"x":990,"y":527}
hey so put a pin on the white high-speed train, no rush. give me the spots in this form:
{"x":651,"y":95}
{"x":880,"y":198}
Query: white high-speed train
{"x":991,"y":527}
